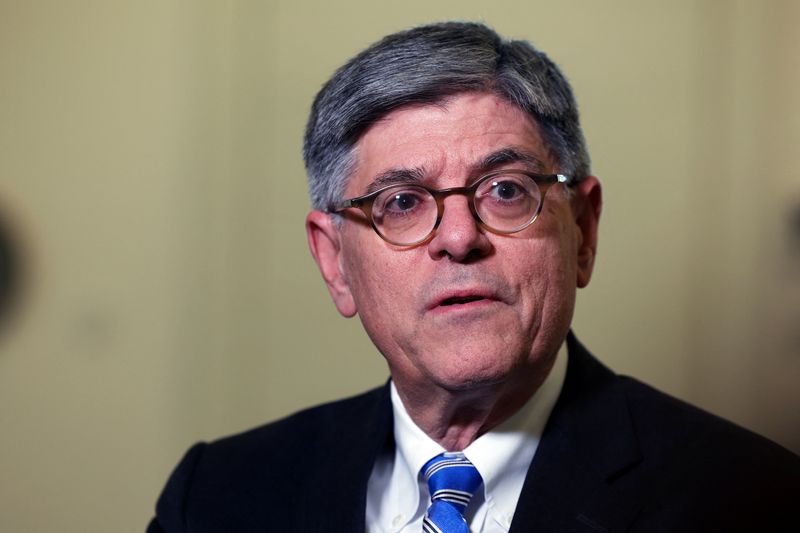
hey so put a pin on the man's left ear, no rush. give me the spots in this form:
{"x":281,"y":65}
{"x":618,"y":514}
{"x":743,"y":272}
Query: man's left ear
{"x":587,"y":203}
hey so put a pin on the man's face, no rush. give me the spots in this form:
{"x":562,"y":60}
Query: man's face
{"x":467,"y":308}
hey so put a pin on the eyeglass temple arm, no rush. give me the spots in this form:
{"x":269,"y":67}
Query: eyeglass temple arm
{"x":345,"y":204}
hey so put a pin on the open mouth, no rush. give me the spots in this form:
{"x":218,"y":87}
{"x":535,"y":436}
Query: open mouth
{"x":460,"y":300}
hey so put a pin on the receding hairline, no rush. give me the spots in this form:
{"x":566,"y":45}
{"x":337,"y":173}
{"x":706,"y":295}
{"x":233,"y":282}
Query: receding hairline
{"x":428,"y":65}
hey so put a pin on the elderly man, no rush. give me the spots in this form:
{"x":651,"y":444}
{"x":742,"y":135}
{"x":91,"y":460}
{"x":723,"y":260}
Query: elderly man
{"x":455,"y":213}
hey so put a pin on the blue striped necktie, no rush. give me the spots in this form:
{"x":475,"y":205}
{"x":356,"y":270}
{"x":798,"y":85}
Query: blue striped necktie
{"x":452,"y":480}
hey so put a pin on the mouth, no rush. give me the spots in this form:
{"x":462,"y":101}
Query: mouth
{"x":454,"y":300}
{"x":460,"y":300}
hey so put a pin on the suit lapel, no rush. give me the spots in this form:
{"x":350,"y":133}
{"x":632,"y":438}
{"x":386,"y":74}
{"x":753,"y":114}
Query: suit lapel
{"x":588,"y":444}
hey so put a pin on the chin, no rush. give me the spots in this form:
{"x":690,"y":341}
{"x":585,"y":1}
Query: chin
{"x":474,"y":373}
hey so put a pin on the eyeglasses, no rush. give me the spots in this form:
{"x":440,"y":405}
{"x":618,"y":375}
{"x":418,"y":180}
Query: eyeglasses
{"x":504,"y":201}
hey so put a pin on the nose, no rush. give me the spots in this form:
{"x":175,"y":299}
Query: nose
{"x":458,"y":236}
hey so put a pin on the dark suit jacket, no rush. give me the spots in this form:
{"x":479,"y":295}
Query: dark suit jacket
{"x":616,"y":455}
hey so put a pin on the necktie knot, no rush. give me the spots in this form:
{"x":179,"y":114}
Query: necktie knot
{"x":452,"y":480}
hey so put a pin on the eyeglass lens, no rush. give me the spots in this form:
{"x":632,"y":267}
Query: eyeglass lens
{"x":407,"y":214}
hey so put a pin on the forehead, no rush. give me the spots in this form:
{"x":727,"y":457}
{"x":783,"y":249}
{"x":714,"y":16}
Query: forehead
{"x":447,"y":141}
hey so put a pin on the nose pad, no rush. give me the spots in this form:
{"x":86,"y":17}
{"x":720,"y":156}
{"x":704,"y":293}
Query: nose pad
{"x":459,"y":235}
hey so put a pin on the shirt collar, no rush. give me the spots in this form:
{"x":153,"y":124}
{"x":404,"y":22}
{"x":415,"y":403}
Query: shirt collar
{"x":502,"y":456}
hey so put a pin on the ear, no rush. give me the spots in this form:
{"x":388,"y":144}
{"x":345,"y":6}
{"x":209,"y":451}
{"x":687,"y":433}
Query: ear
{"x":587,"y":205}
{"x":324,"y":239}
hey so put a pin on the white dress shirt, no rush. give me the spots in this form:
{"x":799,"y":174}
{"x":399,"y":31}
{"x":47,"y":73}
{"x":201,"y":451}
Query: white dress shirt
{"x":397,"y":496}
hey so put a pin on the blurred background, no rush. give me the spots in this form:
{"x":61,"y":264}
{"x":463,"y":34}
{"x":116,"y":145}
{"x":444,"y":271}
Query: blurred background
{"x":156,"y":284}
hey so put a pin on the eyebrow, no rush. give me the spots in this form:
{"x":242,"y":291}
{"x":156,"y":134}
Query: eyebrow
{"x":509,"y":155}
{"x":394,"y":176}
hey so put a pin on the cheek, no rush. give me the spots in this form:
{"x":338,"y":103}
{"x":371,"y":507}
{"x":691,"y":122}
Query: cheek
{"x":357,"y":255}
{"x":377,"y":277}
{"x":357,"y":270}
{"x":559,"y":248}
{"x":383,"y":291}
{"x":546,"y":273}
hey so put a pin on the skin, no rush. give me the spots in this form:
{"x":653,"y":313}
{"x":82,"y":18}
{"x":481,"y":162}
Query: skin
{"x":460,"y":369}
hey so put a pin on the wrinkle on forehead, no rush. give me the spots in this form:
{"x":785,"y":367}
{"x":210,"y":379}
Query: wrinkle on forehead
{"x":505,"y":157}
{"x":469,"y":134}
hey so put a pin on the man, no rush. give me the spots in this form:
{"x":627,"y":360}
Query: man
{"x":455,"y":213}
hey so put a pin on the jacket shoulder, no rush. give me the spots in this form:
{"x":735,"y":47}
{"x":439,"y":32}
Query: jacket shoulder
{"x":241,"y":481}
{"x":306,"y":430}
{"x":664,"y":464}
{"x":661,"y":425}
{"x":705,"y":470}
{"x":669,"y":424}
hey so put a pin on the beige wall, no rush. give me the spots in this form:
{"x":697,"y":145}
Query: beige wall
{"x":150,"y":157}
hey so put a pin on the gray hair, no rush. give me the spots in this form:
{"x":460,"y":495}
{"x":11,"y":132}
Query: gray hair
{"x":425,"y":65}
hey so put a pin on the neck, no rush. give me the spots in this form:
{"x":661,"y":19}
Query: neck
{"x":454,"y":419}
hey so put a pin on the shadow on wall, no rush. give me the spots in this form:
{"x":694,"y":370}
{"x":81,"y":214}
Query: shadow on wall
{"x":11,"y":271}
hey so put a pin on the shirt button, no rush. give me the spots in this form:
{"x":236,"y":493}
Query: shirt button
{"x":397,"y":521}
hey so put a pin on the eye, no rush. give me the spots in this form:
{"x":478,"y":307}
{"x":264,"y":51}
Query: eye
{"x":401,"y":201}
{"x":506,"y":190}
{"x":507,"y":201}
